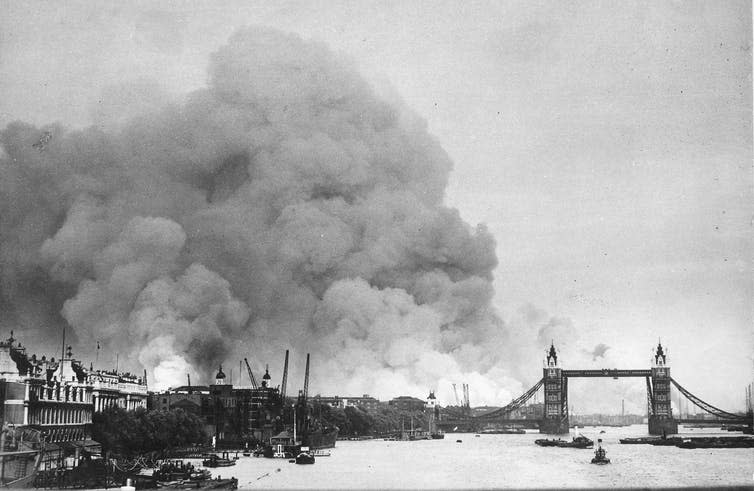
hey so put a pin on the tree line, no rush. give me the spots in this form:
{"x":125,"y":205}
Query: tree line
{"x":131,"y":433}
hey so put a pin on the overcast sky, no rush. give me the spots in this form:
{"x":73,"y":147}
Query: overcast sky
{"x":606,"y":145}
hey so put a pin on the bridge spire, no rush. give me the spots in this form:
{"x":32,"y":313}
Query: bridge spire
{"x":660,"y":356}
{"x":552,"y":356}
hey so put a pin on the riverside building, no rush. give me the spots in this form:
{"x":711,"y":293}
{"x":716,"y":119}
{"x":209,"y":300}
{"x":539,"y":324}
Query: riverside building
{"x":59,"y":398}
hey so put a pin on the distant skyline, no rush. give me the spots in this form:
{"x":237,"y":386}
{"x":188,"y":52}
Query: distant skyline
{"x":607,"y":146}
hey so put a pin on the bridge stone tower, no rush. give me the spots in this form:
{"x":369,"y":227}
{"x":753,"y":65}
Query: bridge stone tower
{"x":555,"y":417}
{"x":660,"y":412}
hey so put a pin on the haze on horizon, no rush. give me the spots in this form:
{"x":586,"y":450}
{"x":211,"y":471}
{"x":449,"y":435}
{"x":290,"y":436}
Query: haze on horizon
{"x":607,"y":147}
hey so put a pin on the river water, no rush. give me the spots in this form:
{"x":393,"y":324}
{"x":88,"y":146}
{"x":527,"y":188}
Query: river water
{"x":502,"y":461}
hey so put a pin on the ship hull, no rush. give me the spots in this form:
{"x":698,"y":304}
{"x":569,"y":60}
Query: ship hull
{"x":321,"y":438}
{"x":21,"y":452}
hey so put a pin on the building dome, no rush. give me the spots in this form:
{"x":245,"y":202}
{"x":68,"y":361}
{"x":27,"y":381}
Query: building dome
{"x":220,"y":375}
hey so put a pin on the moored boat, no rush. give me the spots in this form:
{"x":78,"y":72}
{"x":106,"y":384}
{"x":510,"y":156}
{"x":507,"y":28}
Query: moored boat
{"x":213,"y":460}
{"x":578,"y":442}
{"x":317,"y":438}
{"x":639,"y":440}
{"x":546,"y":442}
{"x":21,"y":451}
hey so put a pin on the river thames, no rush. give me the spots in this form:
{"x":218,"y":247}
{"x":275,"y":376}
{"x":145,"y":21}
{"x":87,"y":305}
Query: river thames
{"x":502,"y":461}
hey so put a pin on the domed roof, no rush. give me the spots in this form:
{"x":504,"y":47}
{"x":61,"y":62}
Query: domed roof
{"x":266,"y":375}
{"x":220,"y":374}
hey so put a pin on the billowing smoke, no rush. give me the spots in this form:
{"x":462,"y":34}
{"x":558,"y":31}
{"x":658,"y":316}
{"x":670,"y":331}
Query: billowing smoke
{"x":284,"y":206}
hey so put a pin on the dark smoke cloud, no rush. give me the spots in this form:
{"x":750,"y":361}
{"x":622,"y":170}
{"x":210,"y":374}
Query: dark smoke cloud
{"x":285,"y":205}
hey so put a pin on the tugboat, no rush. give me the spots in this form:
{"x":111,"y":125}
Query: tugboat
{"x":600,"y":454}
{"x":304,"y":457}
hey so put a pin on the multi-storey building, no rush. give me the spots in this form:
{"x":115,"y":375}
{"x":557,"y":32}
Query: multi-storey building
{"x":59,"y":398}
{"x":230,"y":414}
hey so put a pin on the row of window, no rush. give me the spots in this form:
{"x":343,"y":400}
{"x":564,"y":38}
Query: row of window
{"x":59,"y":415}
{"x":64,"y":393}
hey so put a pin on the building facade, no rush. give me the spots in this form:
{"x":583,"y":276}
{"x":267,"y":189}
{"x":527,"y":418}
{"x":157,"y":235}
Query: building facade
{"x":231,"y":415}
{"x":59,"y":398}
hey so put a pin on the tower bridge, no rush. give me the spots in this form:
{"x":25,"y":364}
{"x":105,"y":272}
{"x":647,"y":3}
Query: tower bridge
{"x":555,"y":383}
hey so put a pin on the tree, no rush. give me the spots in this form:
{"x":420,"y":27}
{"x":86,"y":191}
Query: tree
{"x":130,"y":433}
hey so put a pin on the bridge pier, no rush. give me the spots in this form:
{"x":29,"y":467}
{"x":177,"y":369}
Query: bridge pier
{"x":554,"y":426}
{"x":659,"y":425}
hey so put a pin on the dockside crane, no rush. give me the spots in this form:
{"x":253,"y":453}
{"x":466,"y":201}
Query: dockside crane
{"x":306,"y":379}
{"x":251,"y":374}
{"x":285,"y":378}
{"x":302,"y":408}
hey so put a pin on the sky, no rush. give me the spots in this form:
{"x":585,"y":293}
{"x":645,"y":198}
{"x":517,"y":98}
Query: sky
{"x":607,"y":146}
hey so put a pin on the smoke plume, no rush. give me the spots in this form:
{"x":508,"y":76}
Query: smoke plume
{"x":286,"y":205}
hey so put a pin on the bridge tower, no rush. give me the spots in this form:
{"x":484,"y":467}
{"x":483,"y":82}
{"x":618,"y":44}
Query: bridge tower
{"x":555,"y":417}
{"x":661,"y":414}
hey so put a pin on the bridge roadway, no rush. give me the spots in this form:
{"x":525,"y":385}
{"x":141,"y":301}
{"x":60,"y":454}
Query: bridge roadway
{"x":607,"y":372}
{"x":451,"y":422}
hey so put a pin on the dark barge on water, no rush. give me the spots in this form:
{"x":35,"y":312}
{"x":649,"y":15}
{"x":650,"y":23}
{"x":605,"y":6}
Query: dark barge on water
{"x":578,"y":442}
{"x":694,"y":442}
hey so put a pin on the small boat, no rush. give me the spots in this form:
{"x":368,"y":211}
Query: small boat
{"x":544,"y":442}
{"x":600,"y":455}
{"x":21,"y":454}
{"x":214,"y":461}
{"x":640,"y":440}
{"x":304,"y":458}
{"x":459,"y":441}
{"x":321,"y":452}
{"x":578,"y":442}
